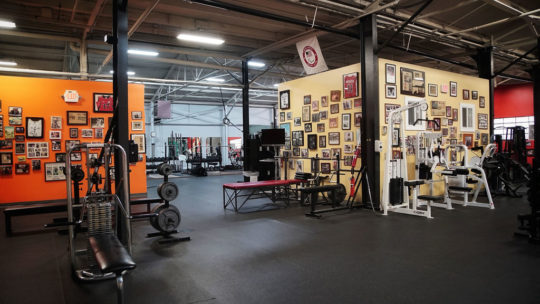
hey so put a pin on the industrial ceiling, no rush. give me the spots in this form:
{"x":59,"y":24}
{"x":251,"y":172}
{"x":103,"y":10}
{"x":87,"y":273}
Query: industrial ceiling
{"x":64,"y":39}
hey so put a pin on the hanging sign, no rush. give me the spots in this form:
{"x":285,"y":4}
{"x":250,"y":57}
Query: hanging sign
{"x":71,"y":96}
{"x":311,"y":55}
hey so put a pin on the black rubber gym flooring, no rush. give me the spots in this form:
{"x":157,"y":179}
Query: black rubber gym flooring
{"x":467,"y":255}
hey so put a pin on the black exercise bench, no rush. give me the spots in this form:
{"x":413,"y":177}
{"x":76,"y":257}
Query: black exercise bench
{"x":337,"y":194}
{"x":29,"y":210}
{"x":112,"y":257}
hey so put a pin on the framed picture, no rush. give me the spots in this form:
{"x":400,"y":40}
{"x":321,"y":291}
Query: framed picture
{"x":315,"y":105}
{"x":298,"y":138}
{"x":71,"y":144}
{"x":304,"y":152}
{"x":308,"y":127}
{"x":136,"y":115}
{"x":6,"y":170}
{"x":55,"y":134}
{"x":346,"y":121}
{"x":297,"y":121}
{"x":137,"y":126}
{"x":37,"y":150}
{"x":438,"y":108}
{"x":10,"y":132}
{"x":19,"y":130}
{"x":388,"y":107}
{"x":432,"y":90}
{"x":312,"y":141}
{"x":325,"y":153}
{"x":357,"y":103}
{"x":282,"y":116}
{"x":323,"y":115}
{"x":390,"y":73}
{"x":335,"y":95}
{"x":315,"y":117}
{"x":333,"y":138}
{"x":56,"y":145}
{"x":325,"y":168}
{"x":466,"y":94}
{"x":103,"y":103}
{"x":450,"y":122}
{"x":19,"y":148}
{"x":350,"y":85}
{"x":289,"y":115}
{"x":34,"y":127}
{"x":333,"y":122}
{"x":448,"y":111}
{"x":287,"y":128}
{"x":348,"y":136}
{"x":307,"y":99}
{"x":73,"y":132}
{"x":474,"y":95}
{"x":483,"y":121}
{"x":88,"y":133}
{"x":15,"y":120}
{"x":140,"y":140}
{"x":285,"y":99}
{"x":98,"y":122}
{"x":295,"y":152}
{"x":444,"y":88}
{"x":75,"y":156}
{"x":322,"y":141}
{"x":6,"y":144}
{"x":468,"y":140}
{"x":347,"y":104}
{"x":299,"y":165}
{"x":6,"y":158}
{"x":347,"y":160}
{"x":348,"y":148}
{"x":98,"y":133}
{"x":453,"y":89}
{"x":334,"y":108}
{"x":412,"y":82}
{"x":390,"y":91}
{"x":15,"y":111}
{"x":335,"y":151}
{"x":455,"y":114}
{"x":436,"y":124}
{"x":60,"y":157}
{"x":485,"y":139}
{"x":77,"y":118}
{"x":482,"y":102}
{"x":395,"y":137}
{"x":324,"y":101}
{"x":357,"y":119}
{"x":444,"y":131}
{"x":22,"y":168}
{"x":36,"y":164}
{"x":306,"y":113}
{"x":56,"y":122}
{"x":55,"y":172}
{"x":320,"y":127}
{"x":19,"y":138}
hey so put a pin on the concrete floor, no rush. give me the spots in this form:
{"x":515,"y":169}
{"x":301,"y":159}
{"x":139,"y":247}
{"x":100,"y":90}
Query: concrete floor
{"x":467,"y":255}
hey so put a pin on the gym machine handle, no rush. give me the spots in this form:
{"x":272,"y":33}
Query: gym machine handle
{"x":144,"y":215}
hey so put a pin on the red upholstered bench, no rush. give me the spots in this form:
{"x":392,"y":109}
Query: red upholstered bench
{"x":233,"y":191}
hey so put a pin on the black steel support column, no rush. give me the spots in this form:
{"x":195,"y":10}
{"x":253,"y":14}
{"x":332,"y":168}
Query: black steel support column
{"x":245,"y":114}
{"x":484,"y":62}
{"x":535,"y":74}
{"x":120,"y":91}
{"x":370,"y":105}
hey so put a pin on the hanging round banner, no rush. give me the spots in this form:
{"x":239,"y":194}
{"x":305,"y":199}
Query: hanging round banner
{"x":310,"y":56}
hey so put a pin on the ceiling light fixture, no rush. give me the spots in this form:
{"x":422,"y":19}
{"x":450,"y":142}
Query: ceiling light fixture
{"x":276,"y":85}
{"x":200,"y":39}
{"x":256,"y":64}
{"x":130,"y":73}
{"x":212,"y":79}
{"x":7,"y":24}
{"x":8,"y":63}
{"x":143,"y":52}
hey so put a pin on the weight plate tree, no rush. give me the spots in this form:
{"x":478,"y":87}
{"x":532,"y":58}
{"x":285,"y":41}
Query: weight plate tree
{"x":168,"y":218}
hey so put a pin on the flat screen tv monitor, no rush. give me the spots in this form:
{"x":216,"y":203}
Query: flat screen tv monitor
{"x":273,"y":137}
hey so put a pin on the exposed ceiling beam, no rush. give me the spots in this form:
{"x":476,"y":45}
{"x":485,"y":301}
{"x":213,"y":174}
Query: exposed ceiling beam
{"x":17,"y":33}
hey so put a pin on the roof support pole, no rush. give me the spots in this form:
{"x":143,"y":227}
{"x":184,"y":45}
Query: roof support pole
{"x":370,"y":105}
{"x":484,"y":62}
{"x":535,"y":74}
{"x":245,"y":116}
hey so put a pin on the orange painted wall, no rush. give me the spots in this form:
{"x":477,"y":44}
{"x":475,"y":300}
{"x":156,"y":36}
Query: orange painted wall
{"x":43,"y":98}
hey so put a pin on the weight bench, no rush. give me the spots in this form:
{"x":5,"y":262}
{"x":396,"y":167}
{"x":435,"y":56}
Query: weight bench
{"x":112,"y":257}
{"x":425,"y":199}
{"x":337,"y":195}
{"x":256,"y":190}
{"x":30,"y":210}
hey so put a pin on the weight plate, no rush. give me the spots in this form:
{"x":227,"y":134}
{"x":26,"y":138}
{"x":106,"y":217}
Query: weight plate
{"x":340,"y":194}
{"x":167,"y":219}
{"x":168,"y":191}
{"x":165,"y":169}
{"x":77,"y":174}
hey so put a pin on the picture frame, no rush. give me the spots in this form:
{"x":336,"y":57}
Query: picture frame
{"x":312,"y":141}
{"x":136,"y":115}
{"x":15,"y":120}
{"x":448,"y":111}
{"x":6,"y":158}
{"x":320,"y":127}
{"x":15,"y":111}
{"x":357,"y":119}
{"x":22,"y":168}
{"x":315,"y":117}
{"x":482,"y":102}
{"x":285,"y":100}
{"x":322,"y":141}
{"x":289,"y":115}
{"x":297,"y":121}
{"x":348,"y":136}
{"x":333,"y":138}
{"x":357,"y":103}
{"x":335,"y":95}
{"x":34,"y":127}
{"x":346,"y":121}
{"x":455,"y":114}
{"x":388,"y":107}
{"x":19,"y":130}
{"x":281,"y":116}
{"x":468,"y":140}
{"x":466,"y":94}
{"x":453,"y":89}
{"x":474,"y":95}
{"x":438,"y":108}
{"x":307,"y":99}
{"x":483,"y":121}
{"x":137,"y":126}
{"x":390,"y":73}
{"x":9,"y":132}
{"x":98,"y":133}
{"x":299,"y":165}
{"x":56,"y":122}
{"x":37,"y":149}
{"x":333,"y":122}
{"x":54,"y":171}
{"x":323,"y":115}
{"x":140,"y":140}
{"x":87,"y":133}
{"x":324,"y":101}
{"x":56,"y":145}
{"x":484,"y":139}
{"x":295,"y":152}
{"x":298,"y":138}
{"x":348,"y":148}
{"x":20,"y":138}
{"x":77,"y":118}
{"x":97,"y":122}
{"x":350,"y":85}
{"x":325,"y":153}
{"x":36,"y":165}
{"x":71,"y":143}
{"x":347,"y":104}
{"x":304,"y":152}
{"x":412,"y":82}
{"x":60,"y":157}
{"x":334,"y":108}
{"x":103,"y":103}
{"x":325,"y":168}
{"x":75,"y":156}
{"x":73,"y":132}
{"x":390,"y":91}
{"x":20,"y":148}
{"x":55,"y":134}
{"x":444,"y":88}
{"x":432,"y":90}
{"x":436,"y":124}
{"x":6,"y":144}
{"x":308,"y":127}
{"x":395,"y":137}
{"x":335,"y":151}
{"x":1,"y":125}
{"x":314,"y":105}
{"x":347,"y":160}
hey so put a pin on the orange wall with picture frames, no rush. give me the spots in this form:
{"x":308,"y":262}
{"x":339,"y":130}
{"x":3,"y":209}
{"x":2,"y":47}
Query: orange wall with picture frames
{"x":43,"y":98}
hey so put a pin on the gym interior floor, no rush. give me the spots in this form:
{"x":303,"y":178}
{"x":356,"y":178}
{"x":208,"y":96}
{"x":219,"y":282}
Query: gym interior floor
{"x":467,"y":255}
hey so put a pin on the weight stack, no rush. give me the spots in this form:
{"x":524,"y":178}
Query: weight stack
{"x":99,"y":218}
{"x":396,"y":191}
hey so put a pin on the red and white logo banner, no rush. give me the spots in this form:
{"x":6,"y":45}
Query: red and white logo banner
{"x":311,"y":55}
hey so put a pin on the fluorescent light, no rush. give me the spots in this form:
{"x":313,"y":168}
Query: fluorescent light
{"x":143,"y":52}
{"x":256,"y":64}
{"x":9,"y":63}
{"x":7,"y":24}
{"x":131,"y":73}
{"x":211,"y":79}
{"x":200,"y":39}
{"x":276,"y":84}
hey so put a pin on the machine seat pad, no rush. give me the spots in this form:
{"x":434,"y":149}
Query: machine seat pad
{"x":110,"y":254}
{"x":458,"y":188}
{"x":471,"y":181}
{"x":413,"y":183}
{"x":431,"y":197}
{"x":476,"y":171}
